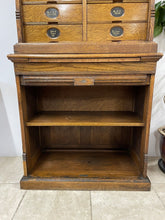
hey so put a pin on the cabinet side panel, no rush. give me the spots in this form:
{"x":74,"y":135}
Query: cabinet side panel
{"x":19,"y":21}
{"x":146,"y":129}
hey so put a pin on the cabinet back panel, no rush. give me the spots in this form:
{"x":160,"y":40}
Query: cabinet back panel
{"x":85,"y":137}
{"x":84,"y":98}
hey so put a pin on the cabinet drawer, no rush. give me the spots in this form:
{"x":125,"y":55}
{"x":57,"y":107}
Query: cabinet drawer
{"x":117,"y":12}
{"x":108,"y":32}
{"x":62,"y":13}
{"x":39,"y":2}
{"x":52,"y":33}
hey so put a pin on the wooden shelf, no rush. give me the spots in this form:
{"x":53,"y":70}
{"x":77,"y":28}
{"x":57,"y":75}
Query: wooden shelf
{"x":87,"y":164}
{"x":86,"y":119}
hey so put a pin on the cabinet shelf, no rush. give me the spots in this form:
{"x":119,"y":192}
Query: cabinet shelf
{"x":70,"y":164}
{"x":86,"y":119}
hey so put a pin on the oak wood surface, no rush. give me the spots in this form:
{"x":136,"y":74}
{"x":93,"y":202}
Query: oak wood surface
{"x":123,"y":47}
{"x":75,"y":1}
{"x":131,"y":31}
{"x":85,"y":96}
{"x":97,"y":98}
{"x":55,"y":2}
{"x":84,"y":9}
{"x":85,"y":119}
{"x":85,"y":81}
{"x":133,"y":12}
{"x":68,"y":13}
{"x":84,"y":69}
{"x":85,"y":164}
{"x":38,"y":33}
{"x":135,"y":184}
{"x":97,"y":138}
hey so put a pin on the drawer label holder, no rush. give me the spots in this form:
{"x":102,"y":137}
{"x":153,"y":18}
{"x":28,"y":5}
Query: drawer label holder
{"x":53,"y":33}
{"x":52,"y":12}
{"x":116,"y":31}
{"x":117,"y":11}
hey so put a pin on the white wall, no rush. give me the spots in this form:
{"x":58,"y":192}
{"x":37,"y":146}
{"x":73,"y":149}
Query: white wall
{"x":158,"y":106}
{"x":10,"y":136}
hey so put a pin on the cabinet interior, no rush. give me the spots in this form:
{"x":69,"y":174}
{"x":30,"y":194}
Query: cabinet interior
{"x":85,"y":138}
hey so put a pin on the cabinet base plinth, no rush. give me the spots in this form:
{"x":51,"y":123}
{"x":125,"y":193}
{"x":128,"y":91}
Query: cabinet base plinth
{"x":135,"y":184}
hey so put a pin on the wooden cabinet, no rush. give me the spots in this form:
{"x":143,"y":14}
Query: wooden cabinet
{"x":85,"y":75}
{"x":75,"y":20}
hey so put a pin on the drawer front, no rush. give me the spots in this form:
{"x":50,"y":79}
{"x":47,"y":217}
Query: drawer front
{"x":108,"y":32}
{"x":112,"y":1}
{"x":62,"y":13}
{"x":117,"y":12}
{"x":52,"y":33}
{"x":39,"y":2}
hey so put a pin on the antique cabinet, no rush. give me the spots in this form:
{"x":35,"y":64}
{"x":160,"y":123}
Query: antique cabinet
{"x":85,"y":76}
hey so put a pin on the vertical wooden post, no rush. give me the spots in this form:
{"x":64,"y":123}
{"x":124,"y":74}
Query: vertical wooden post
{"x":84,"y":20}
{"x":19,"y":21}
{"x":146,"y":129}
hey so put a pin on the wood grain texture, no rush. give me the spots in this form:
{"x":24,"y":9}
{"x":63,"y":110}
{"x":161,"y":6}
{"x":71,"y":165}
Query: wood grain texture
{"x":99,"y":13}
{"x":85,"y":164}
{"x":38,"y":33}
{"x":151,"y":21}
{"x":85,"y":119}
{"x":85,"y":81}
{"x":22,"y":123}
{"x":19,"y":21}
{"x":55,"y":2}
{"x":85,"y":138}
{"x":84,"y":5}
{"x":123,"y":47}
{"x":85,"y":69}
{"x":112,"y":1}
{"x":85,"y":107}
{"x":131,"y":31}
{"x":30,"y":150}
{"x":146,"y":129}
{"x":68,"y":13}
{"x":135,"y":184}
{"x":75,"y":1}
{"x":97,"y":98}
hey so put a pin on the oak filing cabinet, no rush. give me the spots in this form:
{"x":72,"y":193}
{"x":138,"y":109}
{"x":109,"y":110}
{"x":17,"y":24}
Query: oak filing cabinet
{"x":85,"y":76}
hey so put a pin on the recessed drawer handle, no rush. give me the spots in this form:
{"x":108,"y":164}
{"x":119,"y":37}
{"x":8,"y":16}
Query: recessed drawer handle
{"x":55,"y":23}
{"x":51,"y":2}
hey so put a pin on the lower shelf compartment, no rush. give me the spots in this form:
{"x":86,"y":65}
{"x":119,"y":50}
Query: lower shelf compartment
{"x":88,"y":164}
{"x":85,"y":170}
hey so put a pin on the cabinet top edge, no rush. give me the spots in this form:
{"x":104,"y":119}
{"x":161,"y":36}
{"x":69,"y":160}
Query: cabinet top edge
{"x":86,"y":48}
{"x":140,"y":57}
